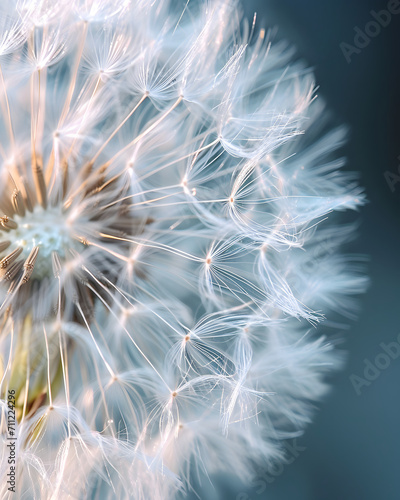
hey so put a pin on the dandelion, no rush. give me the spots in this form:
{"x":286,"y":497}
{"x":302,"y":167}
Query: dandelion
{"x":166,"y":263}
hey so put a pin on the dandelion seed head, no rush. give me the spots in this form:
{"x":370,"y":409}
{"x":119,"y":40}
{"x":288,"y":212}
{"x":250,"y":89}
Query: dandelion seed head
{"x":167,"y":250}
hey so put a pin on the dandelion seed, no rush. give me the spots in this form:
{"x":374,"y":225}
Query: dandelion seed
{"x":167,"y":181}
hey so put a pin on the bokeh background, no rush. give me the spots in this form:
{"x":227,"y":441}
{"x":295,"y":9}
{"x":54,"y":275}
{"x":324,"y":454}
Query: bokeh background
{"x":352,"y":450}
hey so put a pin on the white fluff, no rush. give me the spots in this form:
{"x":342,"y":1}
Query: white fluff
{"x":173,"y":181}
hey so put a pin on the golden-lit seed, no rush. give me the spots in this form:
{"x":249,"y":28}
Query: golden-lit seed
{"x":27,"y":198}
{"x":29,"y":264}
{"x":9,"y":259}
{"x":64,"y":170}
{"x":8,"y":223}
{"x":18,"y":202}
{"x":4,"y":245}
{"x":40,"y":184}
{"x":12,"y":272}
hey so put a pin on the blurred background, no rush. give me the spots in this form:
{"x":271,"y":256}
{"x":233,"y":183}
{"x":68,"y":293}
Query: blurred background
{"x":352,"y":449}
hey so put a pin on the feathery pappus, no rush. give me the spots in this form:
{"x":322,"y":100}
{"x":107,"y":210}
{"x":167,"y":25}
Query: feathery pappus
{"x":168,"y":180}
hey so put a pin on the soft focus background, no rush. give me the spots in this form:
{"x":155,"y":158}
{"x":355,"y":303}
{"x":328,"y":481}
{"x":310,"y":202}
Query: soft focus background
{"x":352,"y":450}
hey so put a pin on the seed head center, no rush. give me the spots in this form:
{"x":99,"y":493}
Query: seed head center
{"x":46,"y":229}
